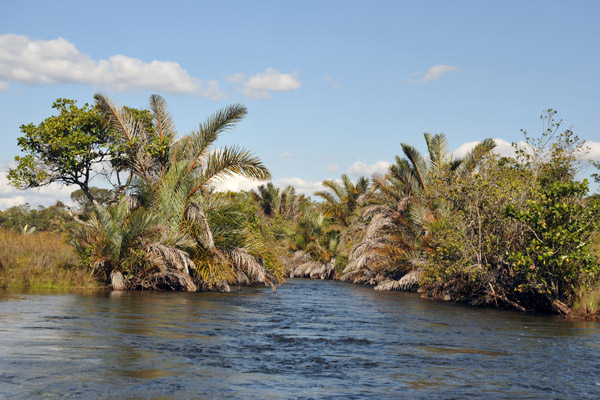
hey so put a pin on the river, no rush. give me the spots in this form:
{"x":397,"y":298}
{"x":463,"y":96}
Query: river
{"x":312,"y":339}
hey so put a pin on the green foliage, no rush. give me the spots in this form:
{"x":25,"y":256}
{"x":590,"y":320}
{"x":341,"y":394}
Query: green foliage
{"x":340,"y":263}
{"x":170,"y":220}
{"x":341,"y":199}
{"x":23,"y":219}
{"x":62,"y":148}
{"x":556,"y":257}
{"x":402,"y":203}
{"x":517,"y":230}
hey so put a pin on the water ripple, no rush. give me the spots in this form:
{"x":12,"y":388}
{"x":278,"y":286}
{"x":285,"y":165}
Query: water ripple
{"x":313,"y":339}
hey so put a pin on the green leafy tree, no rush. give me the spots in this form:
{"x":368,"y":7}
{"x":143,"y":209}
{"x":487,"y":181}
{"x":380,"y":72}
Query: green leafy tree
{"x":517,"y":232}
{"x":24,"y":219}
{"x":63,"y":148}
{"x":556,"y":260}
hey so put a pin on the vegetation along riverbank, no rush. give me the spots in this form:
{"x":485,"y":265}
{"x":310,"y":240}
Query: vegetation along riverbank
{"x":516,"y":232}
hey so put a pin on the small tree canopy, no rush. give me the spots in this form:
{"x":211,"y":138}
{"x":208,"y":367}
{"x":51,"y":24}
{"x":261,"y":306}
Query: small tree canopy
{"x":62,"y":148}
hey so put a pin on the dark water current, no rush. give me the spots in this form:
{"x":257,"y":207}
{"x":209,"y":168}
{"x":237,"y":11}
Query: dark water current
{"x":312,"y":339}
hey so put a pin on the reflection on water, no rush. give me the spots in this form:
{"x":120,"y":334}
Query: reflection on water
{"x":311,"y":339}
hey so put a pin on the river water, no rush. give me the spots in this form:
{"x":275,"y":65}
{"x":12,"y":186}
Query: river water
{"x":311,"y":339}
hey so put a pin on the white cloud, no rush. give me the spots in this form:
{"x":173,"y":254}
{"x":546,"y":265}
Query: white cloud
{"x":236,"y":78}
{"x":58,"y":61}
{"x":464,"y":148}
{"x":360,"y":168}
{"x":238,"y":183}
{"x":302,"y":186}
{"x":503,"y":148}
{"x":433,"y":73}
{"x":506,"y":149}
{"x":45,"y":196}
{"x":593,"y":150}
{"x":332,"y":167}
{"x":286,"y":154}
{"x":8,"y":202}
{"x":260,"y":86}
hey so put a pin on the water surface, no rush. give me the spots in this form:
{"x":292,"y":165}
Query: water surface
{"x":311,"y":339}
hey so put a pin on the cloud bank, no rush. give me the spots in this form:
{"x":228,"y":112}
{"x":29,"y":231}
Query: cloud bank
{"x":45,"y":196}
{"x":58,"y":61}
{"x":27,"y":61}
{"x":238,"y":183}
{"x":505,"y":149}
{"x":260,"y":86}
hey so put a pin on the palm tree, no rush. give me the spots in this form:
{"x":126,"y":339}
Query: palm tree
{"x":117,"y":242}
{"x":171,"y":184}
{"x":272,"y":201}
{"x":399,"y":207}
{"x":315,"y":245}
{"x":342,"y":198}
{"x":290,"y":204}
{"x":268,"y":199}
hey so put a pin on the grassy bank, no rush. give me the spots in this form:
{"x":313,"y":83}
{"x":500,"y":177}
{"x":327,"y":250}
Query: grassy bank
{"x":40,"y":260}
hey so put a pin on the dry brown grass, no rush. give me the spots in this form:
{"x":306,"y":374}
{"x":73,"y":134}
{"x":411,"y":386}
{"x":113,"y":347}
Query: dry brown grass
{"x":40,"y":260}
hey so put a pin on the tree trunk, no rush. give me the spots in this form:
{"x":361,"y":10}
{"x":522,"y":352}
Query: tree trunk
{"x":86,"y":190}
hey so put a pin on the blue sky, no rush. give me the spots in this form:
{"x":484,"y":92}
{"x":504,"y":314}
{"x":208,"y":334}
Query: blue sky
{"x":332,"y":87}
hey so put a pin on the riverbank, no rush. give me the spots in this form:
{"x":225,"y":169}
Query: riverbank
{"x":40,"y":260}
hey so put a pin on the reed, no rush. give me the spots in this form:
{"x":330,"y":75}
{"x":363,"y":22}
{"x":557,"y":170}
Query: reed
{"x":40,"y":260}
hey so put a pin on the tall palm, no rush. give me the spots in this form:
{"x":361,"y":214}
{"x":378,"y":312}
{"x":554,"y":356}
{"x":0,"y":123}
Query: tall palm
{"x":173,"y":177}
{"x":268,"y":199}
{"x":341,"y":200}
{"x":273,"y":201}
{"x":290,"y":204}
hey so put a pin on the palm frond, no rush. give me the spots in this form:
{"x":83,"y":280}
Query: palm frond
{"x":242,"y":259}
{"x":473,"y":157}
{"x":231,"y":161}
{"x":164,"y":127}
{"x":196,"y":148}
{"x":439,"y":157}
{"x":418,"y":167}
{"x":131,"y":131}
